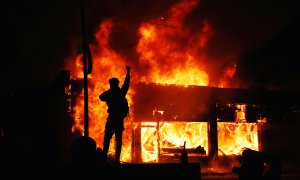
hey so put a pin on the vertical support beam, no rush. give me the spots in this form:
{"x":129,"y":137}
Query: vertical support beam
{"x":259,"y":135}
{"x":212,"y":131}
{"x":157,"y":117}
{"x":158,"y":140}
{"x":85,"y":80}
{"x":136,"y":143}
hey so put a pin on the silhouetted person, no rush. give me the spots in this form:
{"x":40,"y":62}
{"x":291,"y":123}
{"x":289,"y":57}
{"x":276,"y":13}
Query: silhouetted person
{"x":85,"y":164}
{"x":252,"y":165}
{"x":258,"y":165}
{"x":116,"y":101}
{"x":60,"y":121}
{"x":83,"y":151}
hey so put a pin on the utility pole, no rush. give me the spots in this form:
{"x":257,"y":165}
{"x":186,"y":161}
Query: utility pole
{"x":85,"y":72}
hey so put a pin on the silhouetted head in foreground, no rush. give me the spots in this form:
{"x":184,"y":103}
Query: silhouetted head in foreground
{"x":84,"y":150}
{"x":114,"y":83}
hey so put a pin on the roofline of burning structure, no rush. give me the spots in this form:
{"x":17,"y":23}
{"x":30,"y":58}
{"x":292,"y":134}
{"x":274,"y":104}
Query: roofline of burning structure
{"x":195,"y":101}
{"x":227,"y":95}
{"x":220,"y":95}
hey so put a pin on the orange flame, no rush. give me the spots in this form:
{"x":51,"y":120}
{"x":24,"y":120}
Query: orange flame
{"x":106,"y":63}
{"x":169,"y":53}
{"x":235,"y":137}
{"x":171,"y":135}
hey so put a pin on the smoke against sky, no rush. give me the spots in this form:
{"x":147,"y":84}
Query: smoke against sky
{"x":40,"y":36}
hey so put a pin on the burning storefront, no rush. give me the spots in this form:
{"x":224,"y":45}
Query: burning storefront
{"x":213,"y":125}
{"x":167,"y":53}
{"x":179,"y":97}
{"x":209,"y":120}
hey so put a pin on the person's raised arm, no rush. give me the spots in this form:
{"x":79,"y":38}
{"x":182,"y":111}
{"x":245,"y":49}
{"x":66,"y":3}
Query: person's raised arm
{"x":128,"y":70}
{"x":126,"y":83}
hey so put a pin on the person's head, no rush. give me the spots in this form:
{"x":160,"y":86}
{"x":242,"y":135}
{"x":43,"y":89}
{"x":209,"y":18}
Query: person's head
{"x":113,"y":82}
{"x":83,"y":150}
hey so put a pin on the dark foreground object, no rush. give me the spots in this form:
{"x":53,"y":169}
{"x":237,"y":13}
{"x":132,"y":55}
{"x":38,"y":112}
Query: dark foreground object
{"x":154,"y":171}
{"x":89,"y":162}
{"x":162,"y":170}
{"x":259,"y":166}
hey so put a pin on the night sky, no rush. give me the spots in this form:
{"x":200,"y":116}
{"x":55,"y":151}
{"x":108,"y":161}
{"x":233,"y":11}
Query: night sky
{"x":37,"y":37}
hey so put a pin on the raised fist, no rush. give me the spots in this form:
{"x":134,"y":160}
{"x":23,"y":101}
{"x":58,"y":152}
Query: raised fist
{"x":128,"y":68}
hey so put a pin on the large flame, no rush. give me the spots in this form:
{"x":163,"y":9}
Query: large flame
{"x":169,"y":50}
{"x":169,"y":53}
{"x":106,"y":64}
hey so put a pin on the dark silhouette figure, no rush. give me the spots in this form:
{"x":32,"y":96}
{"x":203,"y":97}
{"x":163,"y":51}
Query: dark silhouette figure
{"x":118,"y":109}
{"x":258,"y":165}
{"x":60,"y":121}
{"x":252,"y":166}
{"x":85,"y":163}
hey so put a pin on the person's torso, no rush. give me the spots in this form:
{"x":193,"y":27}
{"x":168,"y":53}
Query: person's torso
{"x":117,"y":102}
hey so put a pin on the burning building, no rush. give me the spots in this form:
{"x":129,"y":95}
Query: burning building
{"x":182,"y":93}
{"x":212,"y":123}
{"x":210,"y":120}
{"x":178,"y":96}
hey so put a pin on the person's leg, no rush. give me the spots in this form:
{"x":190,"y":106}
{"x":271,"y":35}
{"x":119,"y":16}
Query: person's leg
{"x":119,"y":145}
{"x":108,"y":133}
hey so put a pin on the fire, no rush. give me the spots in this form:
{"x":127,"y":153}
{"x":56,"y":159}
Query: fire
{"x":169,"y":53}
{"x":167,"y":135}
{"x":233,"y":138}
{"x":107,"y":63}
